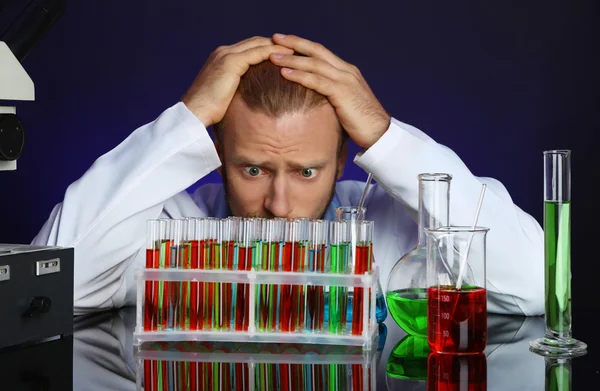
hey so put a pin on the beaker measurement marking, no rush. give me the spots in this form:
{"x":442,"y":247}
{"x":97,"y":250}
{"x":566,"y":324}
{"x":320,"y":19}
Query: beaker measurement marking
{"x":445,"y":315}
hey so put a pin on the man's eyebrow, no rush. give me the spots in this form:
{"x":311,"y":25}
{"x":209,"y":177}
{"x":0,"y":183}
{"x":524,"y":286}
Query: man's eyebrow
{"x":313,"y":164}
{"x":244,"y":161}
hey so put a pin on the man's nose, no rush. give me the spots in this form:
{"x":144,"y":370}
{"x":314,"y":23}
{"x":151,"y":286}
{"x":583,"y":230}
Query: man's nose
{"x":278,"y":200}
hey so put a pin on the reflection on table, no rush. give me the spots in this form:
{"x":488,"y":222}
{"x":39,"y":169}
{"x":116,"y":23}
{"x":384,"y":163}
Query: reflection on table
{"x":104,"y":359}
{"x":507,"y":363}
{"x":251,"y":366}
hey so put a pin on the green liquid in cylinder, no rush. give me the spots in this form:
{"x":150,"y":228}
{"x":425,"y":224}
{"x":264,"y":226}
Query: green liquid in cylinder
{"x":558,"y":267}
{"x":409,"y":309}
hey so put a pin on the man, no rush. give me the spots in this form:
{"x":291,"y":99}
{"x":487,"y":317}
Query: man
{"x":280,"y":147}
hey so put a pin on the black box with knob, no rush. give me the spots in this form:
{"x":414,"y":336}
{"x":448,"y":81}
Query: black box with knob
{"x":36,"y":293}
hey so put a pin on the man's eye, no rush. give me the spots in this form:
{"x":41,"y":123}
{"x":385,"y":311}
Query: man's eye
{"x":308,"y":172}
{"x":253,"y":171}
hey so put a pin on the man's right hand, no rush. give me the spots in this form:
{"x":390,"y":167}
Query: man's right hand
{"x":213,"y":89}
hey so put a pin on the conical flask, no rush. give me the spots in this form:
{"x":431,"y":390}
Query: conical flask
{"x":355,"y":213}
{"x":407,"y":283}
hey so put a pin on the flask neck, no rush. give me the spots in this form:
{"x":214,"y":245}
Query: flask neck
{"x":434,"y":203}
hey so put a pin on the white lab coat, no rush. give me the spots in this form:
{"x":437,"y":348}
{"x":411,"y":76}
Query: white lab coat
{"x":103,"y":214}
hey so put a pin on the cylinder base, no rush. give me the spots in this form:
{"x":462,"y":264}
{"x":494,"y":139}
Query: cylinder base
{"x":558,"y":348}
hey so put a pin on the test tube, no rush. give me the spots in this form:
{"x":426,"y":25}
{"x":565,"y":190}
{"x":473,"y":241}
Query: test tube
{"x":194,"y":259}
{"x":200,"y":303}
{"x":363,"y":261}
{"x":175,"y":261}
{"x":294,"y":260}
{"x":233,"y":264}
{"x":247,"y":236}
{"x":229,"y":251}
{"x":339,"y":238}
{"x":152,"y":261}
{"x":317,"y":241}
{"x":187,"y":243}
{"x":163,"y":286}
{"x":301,"y":265}
{"x":214,"y":262}
{"x":272,"y":231}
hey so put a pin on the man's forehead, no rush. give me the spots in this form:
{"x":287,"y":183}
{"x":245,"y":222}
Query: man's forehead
{"x":322,"y":119}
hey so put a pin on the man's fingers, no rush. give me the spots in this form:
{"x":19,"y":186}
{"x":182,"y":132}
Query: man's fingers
{"x":309,"y":64}
{"x":244,"y":45}
{"x":255,"y":55}
{"x":310,"y":48}
{"x":319,"y":83}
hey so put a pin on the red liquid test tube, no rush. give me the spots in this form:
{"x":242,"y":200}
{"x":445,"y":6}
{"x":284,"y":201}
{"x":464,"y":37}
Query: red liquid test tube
{"x":189,"y":231}
{"x":294,"y":258}
{"x":194,"y":234}
{"x":247,"y":236}
{"x":175,"y":262}
{"x":152,"y":260}
{"x":164,"y":286}
{"x":362,"y":263}
{"x":202,"y":225}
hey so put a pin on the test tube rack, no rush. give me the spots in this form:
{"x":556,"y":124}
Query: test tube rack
{"x":255,"y":279}
{"x":177,"y":301}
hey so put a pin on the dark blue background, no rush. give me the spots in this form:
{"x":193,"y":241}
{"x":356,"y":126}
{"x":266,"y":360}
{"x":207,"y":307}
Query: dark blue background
{"x":497,"y":81}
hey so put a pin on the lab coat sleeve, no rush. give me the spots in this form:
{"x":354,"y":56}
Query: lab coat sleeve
{"x":103,"y":214}
{"x":515,"y":247}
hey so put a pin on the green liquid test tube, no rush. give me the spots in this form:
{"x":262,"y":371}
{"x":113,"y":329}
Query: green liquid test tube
{"x":272,"y":231}
{"x":214,"y":288}
{"x":339,"y":238}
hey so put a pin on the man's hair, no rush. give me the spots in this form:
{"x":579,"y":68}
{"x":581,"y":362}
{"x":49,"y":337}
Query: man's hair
{"x":263,"y":89}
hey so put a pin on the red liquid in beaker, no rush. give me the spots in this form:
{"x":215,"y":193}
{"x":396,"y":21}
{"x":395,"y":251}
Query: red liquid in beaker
{"x":456,"y":372}
{"x":457,"y":319}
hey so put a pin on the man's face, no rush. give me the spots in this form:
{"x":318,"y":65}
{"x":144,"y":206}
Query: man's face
{"x":280,"y":167}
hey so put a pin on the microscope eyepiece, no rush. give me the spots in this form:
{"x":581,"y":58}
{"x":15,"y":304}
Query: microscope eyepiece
{"x":12,"y":137}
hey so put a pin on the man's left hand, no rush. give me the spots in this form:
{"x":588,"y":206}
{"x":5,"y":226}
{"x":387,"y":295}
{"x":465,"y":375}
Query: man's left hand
{"x":357,"y":108}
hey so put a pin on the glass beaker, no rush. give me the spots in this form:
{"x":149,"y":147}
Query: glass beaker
{"x":557,"y":340}
{"x":354,"y":213}
{"x":407,"y":283}
{"x":456,"y":296}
